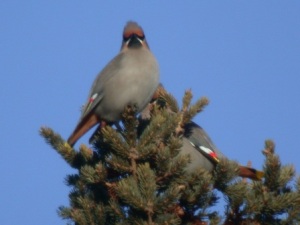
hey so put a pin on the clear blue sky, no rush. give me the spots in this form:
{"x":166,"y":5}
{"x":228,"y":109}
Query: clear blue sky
{"x":243,"y":55}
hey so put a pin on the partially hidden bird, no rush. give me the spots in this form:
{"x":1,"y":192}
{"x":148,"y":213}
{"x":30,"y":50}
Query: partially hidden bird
{"x":198,"y":145}
{"x":203,"y":153}
{"x":130,"y":78}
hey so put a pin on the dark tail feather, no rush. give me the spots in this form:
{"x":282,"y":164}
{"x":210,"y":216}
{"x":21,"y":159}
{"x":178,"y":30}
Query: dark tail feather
{"x":83,"y":126}
{"x":250,"y":173}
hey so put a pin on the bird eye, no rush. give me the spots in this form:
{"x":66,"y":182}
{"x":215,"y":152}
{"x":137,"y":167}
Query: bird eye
{"x":141,"y":37}
{"x":125,"y":39}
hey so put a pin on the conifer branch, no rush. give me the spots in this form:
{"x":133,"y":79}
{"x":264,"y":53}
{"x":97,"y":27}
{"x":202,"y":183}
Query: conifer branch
{"x":137,"y":175}
{"x":62,"y":147}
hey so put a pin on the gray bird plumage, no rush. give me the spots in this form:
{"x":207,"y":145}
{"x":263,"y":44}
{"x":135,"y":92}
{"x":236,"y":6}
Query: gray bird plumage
{"x":203,"y":153}
{"x":193,"y":140}
{"x":131,"y":78}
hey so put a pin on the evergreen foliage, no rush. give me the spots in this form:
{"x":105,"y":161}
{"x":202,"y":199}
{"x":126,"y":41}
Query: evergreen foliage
{"x":136,"y":176}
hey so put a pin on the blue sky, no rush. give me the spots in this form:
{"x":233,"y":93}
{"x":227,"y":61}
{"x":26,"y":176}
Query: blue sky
{"x":243,"y":55}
